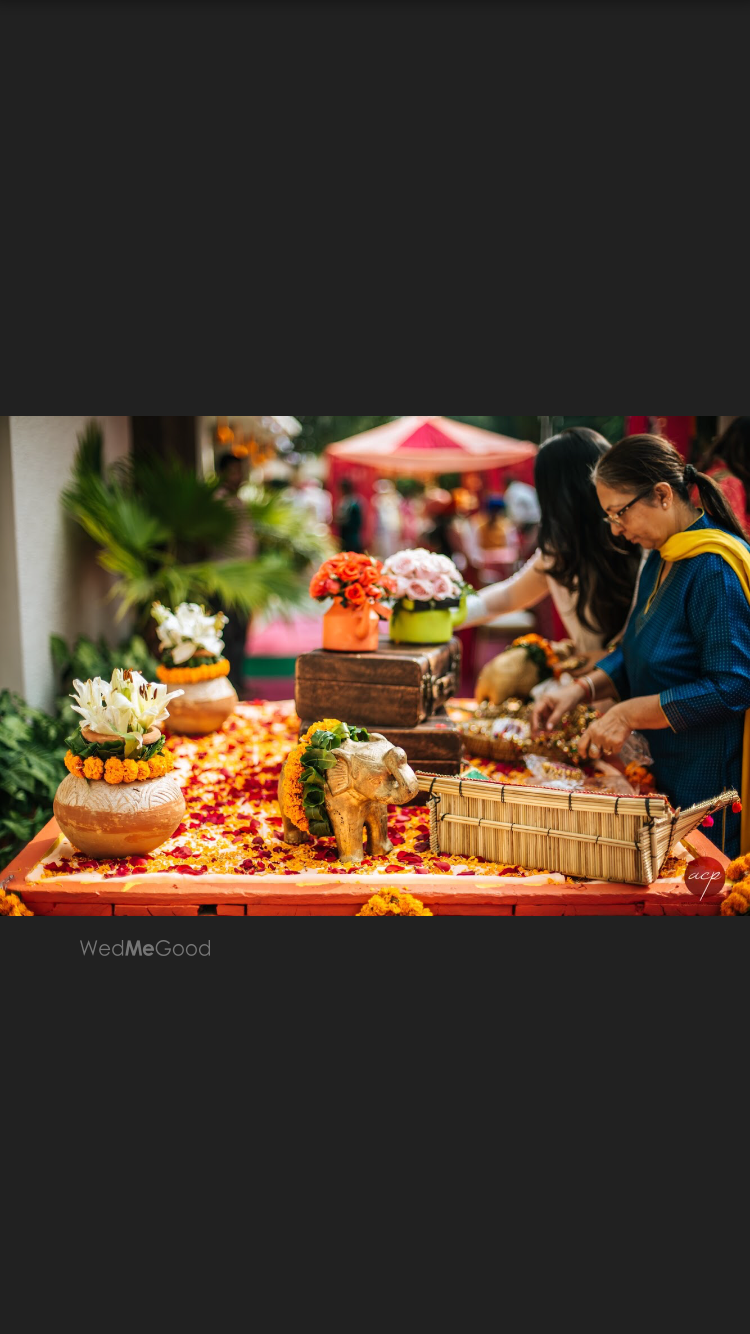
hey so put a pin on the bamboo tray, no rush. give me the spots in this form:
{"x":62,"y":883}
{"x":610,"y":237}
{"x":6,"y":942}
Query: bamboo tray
{"x":592,"y":836}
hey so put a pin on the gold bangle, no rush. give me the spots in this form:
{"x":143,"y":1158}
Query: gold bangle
{"x":588,"y":682}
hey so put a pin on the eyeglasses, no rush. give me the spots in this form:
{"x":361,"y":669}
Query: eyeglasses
{"x":617,"y":518}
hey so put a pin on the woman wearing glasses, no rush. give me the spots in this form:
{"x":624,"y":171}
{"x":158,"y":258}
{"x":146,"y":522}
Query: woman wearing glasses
{"x":682,"y":671}
{"x":590,"y":577}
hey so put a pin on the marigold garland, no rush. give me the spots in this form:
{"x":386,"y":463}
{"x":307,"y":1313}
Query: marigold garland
{"x":116,"y":771}
{"x":12,"y":906}
{"x":391,"y":903}
{"x":538,"y":648}
{"x":736,"y":905}
{"x":297,"y":766}
{"x":738,"y":869}
{"x":191,"y":675}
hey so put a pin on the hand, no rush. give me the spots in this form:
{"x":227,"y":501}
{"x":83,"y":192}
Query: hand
{"x":551,"y":706}
{"x":607,"y":735}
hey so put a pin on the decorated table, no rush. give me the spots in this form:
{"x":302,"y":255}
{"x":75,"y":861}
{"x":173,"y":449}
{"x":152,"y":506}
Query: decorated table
{"x":228,"y":857}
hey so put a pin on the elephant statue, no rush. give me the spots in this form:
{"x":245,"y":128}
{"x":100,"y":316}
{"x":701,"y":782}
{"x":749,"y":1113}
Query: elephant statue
{"x":369,"y":777}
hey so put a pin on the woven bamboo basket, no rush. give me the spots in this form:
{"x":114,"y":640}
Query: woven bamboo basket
{"x":592,"y":836}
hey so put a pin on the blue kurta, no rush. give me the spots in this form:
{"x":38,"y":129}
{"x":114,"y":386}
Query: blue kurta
{"x":692,"y":648}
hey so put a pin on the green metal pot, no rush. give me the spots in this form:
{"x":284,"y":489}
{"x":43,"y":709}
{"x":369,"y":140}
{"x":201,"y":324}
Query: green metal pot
{"x":436,"y":626}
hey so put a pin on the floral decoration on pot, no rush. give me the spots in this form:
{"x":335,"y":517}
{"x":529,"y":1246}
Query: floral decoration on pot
{"x":192,"y":655}
{"x":120,"y":797}
{"x":358,"y":586}
{"x":430,"y":594}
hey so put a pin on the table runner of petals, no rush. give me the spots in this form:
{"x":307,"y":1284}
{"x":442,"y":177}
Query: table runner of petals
{"x":233,"y":825}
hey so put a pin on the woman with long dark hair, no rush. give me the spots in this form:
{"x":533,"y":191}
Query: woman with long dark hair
{"x":727,"y":462}
{"x":590,"y":576}
{"x":682,"y":671}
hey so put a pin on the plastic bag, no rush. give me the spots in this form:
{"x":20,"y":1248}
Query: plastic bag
{"x":636,"y":751}
{"x":543,"y":769}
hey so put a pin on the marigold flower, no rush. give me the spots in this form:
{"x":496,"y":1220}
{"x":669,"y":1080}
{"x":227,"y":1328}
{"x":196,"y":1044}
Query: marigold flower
{"x":739,"y":868}
{"x":113,"y":771}
{"x":129,"y":771}
{"x":734,"y":906}
{"x":743,"y":888}
{"x":157,"y":767}
{"x":92,"y":767}
{"x":143,"y":771}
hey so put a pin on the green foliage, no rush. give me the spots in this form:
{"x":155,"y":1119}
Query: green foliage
{"x":32,"y":750}
{"x":166,"y":535}
{"x":318,"y":432}
{"x":612,"y":428}
{"x":88,"y":659}
{"x":275,"y":520}
{"x":317,"y":760}
{"x":114,"y":749}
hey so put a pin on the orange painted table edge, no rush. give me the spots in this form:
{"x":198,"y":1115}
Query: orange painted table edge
{"x":332,"y":893}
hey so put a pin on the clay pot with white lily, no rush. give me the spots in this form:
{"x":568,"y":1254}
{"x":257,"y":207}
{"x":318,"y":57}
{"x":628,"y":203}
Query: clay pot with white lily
{"x":189,"y":635}
{"x":123,"y":811}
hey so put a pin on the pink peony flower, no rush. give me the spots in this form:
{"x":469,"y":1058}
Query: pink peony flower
{"x":401,"y":566}
{"x":419,"y":590}
{"x":443,"y":588}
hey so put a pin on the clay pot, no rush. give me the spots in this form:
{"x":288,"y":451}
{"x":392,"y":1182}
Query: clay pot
{"x":204,"y":707}
{"x":351,"y":629}
{"x":126,"y":820}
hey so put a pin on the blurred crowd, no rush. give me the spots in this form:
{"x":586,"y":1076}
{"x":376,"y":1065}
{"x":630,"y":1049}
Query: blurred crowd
{"x":487,"y":536}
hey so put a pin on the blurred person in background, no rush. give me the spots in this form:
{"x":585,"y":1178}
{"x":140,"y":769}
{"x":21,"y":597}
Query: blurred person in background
{"x":412,"y":507}
{"x":230,"y":473}
{"x":388,"y":527}
{"x":310,"y":496}
{"x":591,"y":576}
{"x":492,"y":526}
{"x":727,"y":463}
{"x":522,"y":505}
{"x":349,"y":517}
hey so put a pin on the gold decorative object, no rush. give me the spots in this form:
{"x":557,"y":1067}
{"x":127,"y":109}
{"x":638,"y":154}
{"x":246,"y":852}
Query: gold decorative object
{"x":368,"y":777}
{"x":503,"y":733}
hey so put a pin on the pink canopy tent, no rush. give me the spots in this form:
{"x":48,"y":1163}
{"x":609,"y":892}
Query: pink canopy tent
{"x":412,"y":446}
{"x":425,"y":447}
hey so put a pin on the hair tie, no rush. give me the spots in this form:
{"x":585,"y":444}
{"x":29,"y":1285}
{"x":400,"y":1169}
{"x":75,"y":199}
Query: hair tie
{"x":691,"y":475}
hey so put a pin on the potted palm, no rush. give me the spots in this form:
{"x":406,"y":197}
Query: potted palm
{"x":120,"y":797}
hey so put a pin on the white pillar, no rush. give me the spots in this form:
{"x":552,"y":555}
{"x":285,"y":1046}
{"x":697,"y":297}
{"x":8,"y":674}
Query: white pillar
{"x":50,"y":580}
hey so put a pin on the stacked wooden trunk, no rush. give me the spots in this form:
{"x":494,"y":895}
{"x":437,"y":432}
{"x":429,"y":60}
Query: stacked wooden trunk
{"x":400,"y":692}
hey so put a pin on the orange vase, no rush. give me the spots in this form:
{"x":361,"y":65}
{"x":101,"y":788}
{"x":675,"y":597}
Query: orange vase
{"x":351,"y":629}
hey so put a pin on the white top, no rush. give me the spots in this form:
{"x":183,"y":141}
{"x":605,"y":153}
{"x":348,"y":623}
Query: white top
{"x":522,"y":504}
{"x":526,"y":589}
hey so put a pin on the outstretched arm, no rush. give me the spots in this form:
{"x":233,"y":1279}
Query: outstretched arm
{"x":522,"y":590}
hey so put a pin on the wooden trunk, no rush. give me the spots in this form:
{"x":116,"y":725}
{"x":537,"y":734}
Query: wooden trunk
{"x":394,"y":688}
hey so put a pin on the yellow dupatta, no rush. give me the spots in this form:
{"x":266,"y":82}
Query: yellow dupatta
{"x":714,"y":542}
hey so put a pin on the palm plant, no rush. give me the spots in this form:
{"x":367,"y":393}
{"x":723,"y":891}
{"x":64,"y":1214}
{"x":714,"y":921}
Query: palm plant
{"x":159,"y":528}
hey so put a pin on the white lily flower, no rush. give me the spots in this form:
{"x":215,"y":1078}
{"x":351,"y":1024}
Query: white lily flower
{"x":187,"y":630}
{"x":125,"y":707}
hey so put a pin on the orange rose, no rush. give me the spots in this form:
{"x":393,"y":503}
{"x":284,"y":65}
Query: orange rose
{"x":357,"y":595}
{"x":350,"y":572}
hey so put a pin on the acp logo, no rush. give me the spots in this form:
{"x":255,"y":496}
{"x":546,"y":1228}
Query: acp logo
{"x":705,"y":878}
